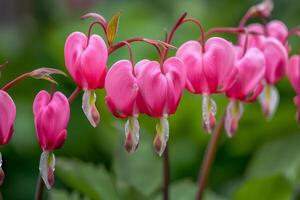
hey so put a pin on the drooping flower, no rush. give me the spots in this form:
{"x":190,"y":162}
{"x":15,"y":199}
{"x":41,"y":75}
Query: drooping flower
{"x":7,"y":119}
{"x":51,"y":117}
{"x":208,"y":72}
{"x":293,"y":73}
{"x":160,"y":90}
{"x":246,"y":88}
{"x":86,"y":59}
{"x":276,"y":58}
{"x":270,"y":39}
{"x":122,"y":90}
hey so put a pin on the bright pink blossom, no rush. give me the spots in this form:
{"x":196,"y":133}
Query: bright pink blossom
{"x":251,"y":70}
{"x":160,"y":90}
{"x":51,"y":117}
{"x":208,"y":72}
{"x":86,"y":60}
{"x":7,"y":117}
{"x":293,"y":73}
{"x":122,"y":90}
{"x":248,"y":85}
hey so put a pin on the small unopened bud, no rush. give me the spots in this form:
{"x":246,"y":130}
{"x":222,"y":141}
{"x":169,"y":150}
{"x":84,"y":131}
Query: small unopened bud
{"x":45,"y":73}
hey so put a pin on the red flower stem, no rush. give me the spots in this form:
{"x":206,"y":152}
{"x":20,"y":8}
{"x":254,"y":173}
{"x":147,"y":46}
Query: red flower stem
{"x":202,"y":39}
{"x":91,"y":27}
{"x":181,"y":21}
{"x":74,"y":94}
{"x":39,"y":188}
{"x":16,"y":80}
{"x":166,"y":173}
{"x":131,"y":40}
{"x":209,"y":158}
{"x":293,"y":32}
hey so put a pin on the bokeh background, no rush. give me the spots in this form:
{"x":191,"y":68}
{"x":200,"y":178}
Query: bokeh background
{"x":262,"y":161}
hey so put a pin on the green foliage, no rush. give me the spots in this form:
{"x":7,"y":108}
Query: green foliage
{"x":91,"y":180}
{"x":274,"y":187}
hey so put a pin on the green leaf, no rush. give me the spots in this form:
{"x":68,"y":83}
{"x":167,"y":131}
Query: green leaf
{"x":273,"y":187}
{"x":280,"y":157}
{"x":63,"y":195}
{"x":112,"y":28}
{"x":142,"y":170}
{"x":91,"y":180}
{"x":186,"y":189}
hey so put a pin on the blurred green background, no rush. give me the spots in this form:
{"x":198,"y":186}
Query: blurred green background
{"x":262,"y":161}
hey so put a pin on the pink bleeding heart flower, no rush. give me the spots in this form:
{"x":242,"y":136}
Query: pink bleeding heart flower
{"x":122,"y":90}
{"x":51,"y":117}
{"x":271,"y":40}
{"x":277,"y":29}
{"x":276,"y":58}
{"x":208,"y":72}
{"x":248,"y":85}
{"x":7,"y":119}
{"x":293,"y":73}
{"x":86,"y":61}
{"x":160,"y":91}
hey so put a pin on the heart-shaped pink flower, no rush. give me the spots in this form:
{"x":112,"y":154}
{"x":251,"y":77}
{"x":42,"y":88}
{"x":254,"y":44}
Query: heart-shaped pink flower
{"x":208,"y":72}
{"x":86,"y":60}
{"x":7,"y":117}
{"x":248,"y":85}
{"x":160,"y":90}
{"x":211,"y":71}
{"x":251,"y":70}
{"x":293,"y":73}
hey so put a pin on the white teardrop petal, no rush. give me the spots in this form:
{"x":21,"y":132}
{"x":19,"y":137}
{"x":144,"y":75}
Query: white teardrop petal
{"x":209,"y":110}
{"x":162,"y":135}
{"x":47,"y":167}
{"x":132,"y":129}
{"x":269,"y":100}
{"x":89,"y":107}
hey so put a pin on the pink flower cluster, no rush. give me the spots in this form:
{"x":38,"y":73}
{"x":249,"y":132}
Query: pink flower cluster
{"x":243,"y":71}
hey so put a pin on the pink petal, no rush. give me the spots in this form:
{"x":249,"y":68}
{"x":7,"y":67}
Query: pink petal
{"x":218,"y":62}
{"x":278,"y":30}
{"x":191,"y":55}
{"x":7,"y":117}
{"x":276,"y":60}
{"x":93,"y":63}
{"x":60,"y":139}
{"x":254,"y":40}
{"x":74,"y":46}
{"x":293,"y":72}
{"x":121,"y":88}
{"x":41,"y":100}
{"x":86,"y":62}
{"x":176,"y":76}
{"x":251,"y":69}
{"x":150,"y":78}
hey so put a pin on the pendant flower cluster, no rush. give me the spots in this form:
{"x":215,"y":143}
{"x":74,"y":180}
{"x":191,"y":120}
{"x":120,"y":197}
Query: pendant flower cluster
{"x":242,"y":71}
